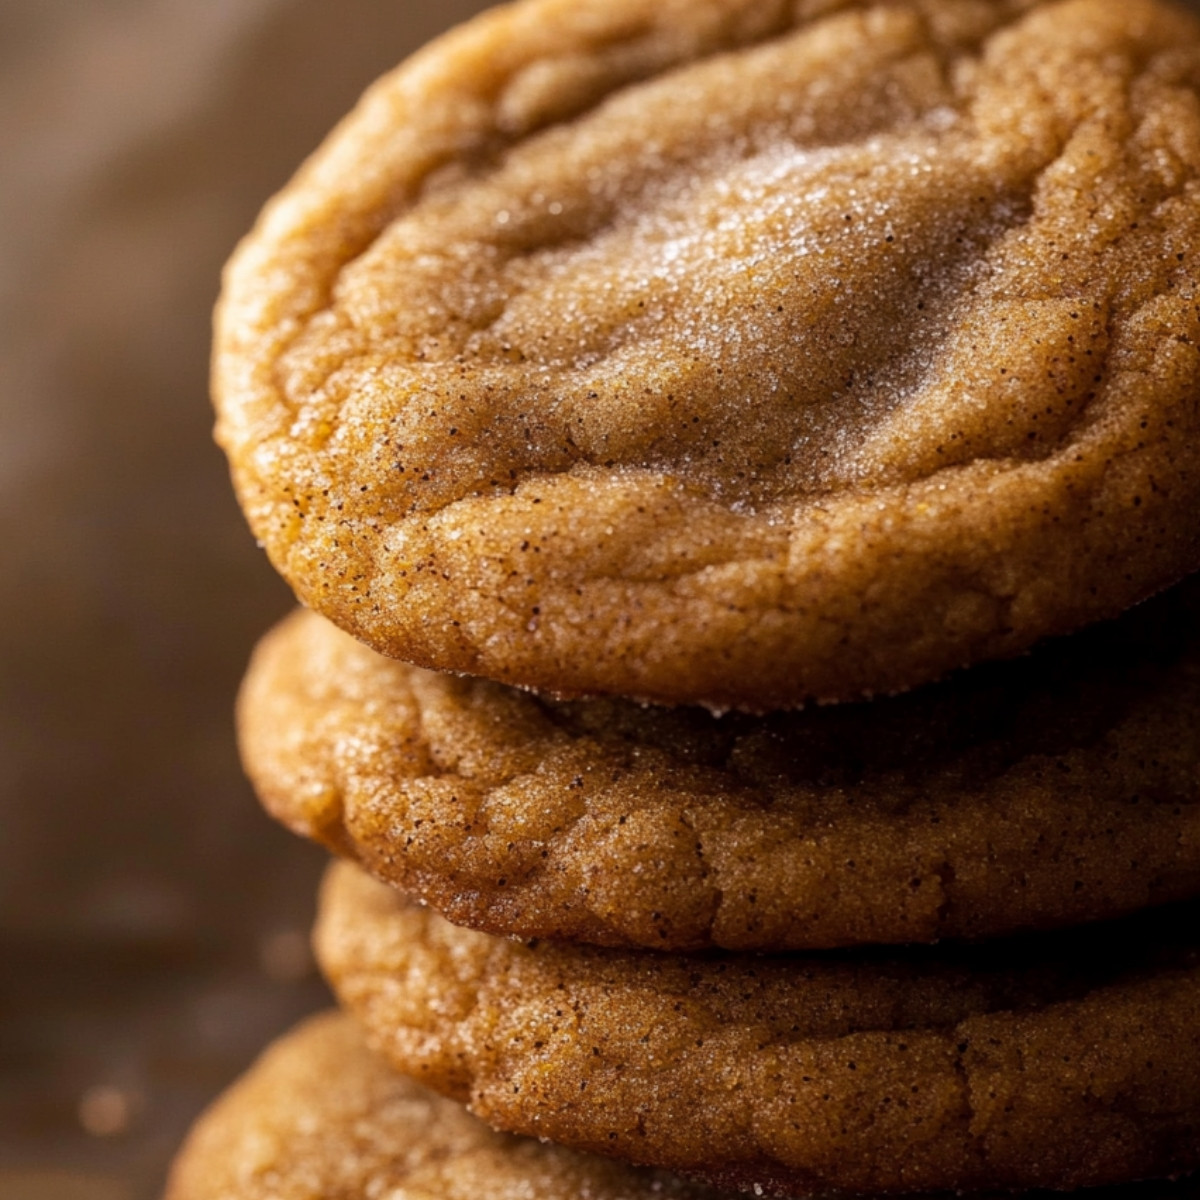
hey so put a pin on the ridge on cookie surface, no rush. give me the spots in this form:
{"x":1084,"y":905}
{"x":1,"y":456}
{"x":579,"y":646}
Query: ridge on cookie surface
{"x":734,"y":351}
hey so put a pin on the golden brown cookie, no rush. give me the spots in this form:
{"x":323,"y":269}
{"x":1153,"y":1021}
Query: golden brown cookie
{"x":734,"y":351}
{"x":1059,"y":788}
{"x":1063,"y":1061}
{"x":320,"y":1118}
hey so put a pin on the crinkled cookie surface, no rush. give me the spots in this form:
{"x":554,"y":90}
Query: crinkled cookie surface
{"x":320,"y":1118}
{"x":1060,"y":788}
{"x":734,"y":351}
{"x":1059,"y":1062}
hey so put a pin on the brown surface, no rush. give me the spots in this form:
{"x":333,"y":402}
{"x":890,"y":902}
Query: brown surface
{"x":1057,"y":789}
{"x":734,"y":351}
{"x":320,"y":1118}
{"x":1066,"y":1061}
{"x":108,"y":1050}
{"x":146,"y":907}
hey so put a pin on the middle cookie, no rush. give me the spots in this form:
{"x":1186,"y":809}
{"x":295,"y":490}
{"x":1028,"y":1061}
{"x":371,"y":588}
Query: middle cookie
{"x":1050,"y":791}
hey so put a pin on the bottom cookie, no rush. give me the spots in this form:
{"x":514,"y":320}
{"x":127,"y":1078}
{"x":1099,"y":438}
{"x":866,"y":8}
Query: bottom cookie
{"x":320,"y":1118}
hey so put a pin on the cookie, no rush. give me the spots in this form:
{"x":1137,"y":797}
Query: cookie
{"x":1062,"y":1061}
{"x":1059,"y":788}
{"x":741,"y":352}
{"x":320,"y":1117}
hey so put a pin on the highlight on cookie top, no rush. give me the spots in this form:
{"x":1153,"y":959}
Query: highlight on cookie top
{"x":741,"y":352}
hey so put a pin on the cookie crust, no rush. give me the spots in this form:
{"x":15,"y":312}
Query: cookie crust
{"x":319,"y":1117}
{"x":1066,"y":1062}
{"x":734,"y":351}
{"x":1061,"y":788}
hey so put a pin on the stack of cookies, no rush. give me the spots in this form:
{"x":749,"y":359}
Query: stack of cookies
{"x":685,"y":418}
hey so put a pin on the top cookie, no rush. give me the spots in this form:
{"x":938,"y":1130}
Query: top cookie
{"x":734,"y":351}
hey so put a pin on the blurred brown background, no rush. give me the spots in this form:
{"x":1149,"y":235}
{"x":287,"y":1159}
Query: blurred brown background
{"x":152,"y":922}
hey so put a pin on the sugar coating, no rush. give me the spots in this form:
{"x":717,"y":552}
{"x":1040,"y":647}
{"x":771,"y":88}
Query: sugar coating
{"x":1063,"y":1062}
{"x":734,"y":351}
{"x":320,"y":1118}
{"x":1059,"y":788}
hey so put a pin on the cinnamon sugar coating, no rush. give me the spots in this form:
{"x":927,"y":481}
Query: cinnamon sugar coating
{"x":734,"y":351}
{"x":1062,"y":1061}
{"x":320,"y":1118}
{"x":1060,"y":788}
